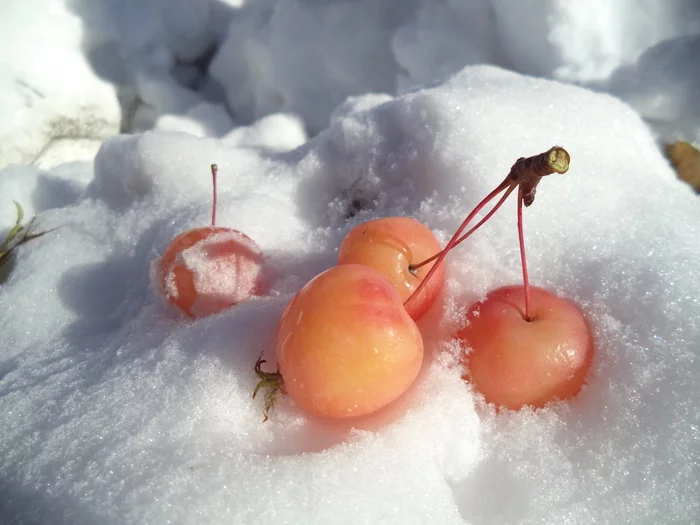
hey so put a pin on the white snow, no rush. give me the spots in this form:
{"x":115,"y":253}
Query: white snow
{"x":337,"y":49}
{"x":115,"y":408}
{"x":47,"y":87}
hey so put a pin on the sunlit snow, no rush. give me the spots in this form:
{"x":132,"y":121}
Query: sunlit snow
{"x":116,"y":408}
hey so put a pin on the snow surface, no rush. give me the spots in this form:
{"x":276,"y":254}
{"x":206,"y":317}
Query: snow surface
{"x":47,"y":88}
{"x":114,"y":408}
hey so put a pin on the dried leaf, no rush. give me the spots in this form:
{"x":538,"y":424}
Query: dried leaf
{"x":686,"y":159}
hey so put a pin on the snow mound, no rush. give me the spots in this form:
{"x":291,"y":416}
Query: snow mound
{"x":115,"y":409}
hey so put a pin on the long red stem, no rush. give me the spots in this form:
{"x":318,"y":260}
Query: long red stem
{"x":521,"y":238}
{"x":468,"y":234}
{"x":214,"y":170}
{"x":453,"y":241}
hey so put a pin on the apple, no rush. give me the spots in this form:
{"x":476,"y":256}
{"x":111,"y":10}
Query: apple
{"x":514,"y":362}
{"x":345,"y":346}
{"x":391,"y":245}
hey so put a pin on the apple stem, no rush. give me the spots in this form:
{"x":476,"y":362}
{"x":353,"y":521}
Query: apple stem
{"x":525,"y":174}
{"x":214,"y":170}
{"x":453,"y":241}
{"x":464,"y":237}
{"x":521,"y":238}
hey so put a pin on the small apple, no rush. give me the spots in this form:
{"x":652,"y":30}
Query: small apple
{"x":391,"y":245}
{"x":515,"y":362}
{"x":205,"y":270}
{"x":345,"y":346}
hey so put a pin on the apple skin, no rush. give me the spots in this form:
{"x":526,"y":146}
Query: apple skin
{"x":345,"y":345}
{"x":391,"y":245}
{"x":229,"y":270}
{"x":514,"y":362}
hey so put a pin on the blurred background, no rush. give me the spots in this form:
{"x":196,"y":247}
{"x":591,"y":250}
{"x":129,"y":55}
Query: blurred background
{"x":73,"y":72}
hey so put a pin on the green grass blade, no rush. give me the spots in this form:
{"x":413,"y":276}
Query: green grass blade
{"x":15,"y":231}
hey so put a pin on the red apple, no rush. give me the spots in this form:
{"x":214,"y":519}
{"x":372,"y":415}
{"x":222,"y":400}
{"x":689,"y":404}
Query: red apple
{"x":514,"y":362}
{"x":391,"y":245}
{"x":345,"y":346}
{"x":205,"y":270}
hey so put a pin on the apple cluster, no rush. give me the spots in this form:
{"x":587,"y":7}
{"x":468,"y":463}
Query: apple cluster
{"x":348,"y":344}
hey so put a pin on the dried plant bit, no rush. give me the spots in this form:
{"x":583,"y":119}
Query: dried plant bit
{"x":26,"y":236}
{"x":686,"y":159}
{"x":10,"y":241}
{"x":17,"y":236}
{"x":272,"y":383}
{"x":5,"y":266}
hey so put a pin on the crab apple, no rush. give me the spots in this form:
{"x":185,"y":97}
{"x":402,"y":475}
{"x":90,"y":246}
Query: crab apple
{"x":514,"y":362}
{"x":391,"y":245}
{"x":345,"y":345}
{"x":205,"y":270}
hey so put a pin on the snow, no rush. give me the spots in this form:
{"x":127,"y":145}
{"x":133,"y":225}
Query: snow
{"x":663,"y":85}
{"x":48,"y":88}
{"x":262,"y":73}
{"x":586,"y":41}
{"x":115,"y":408}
